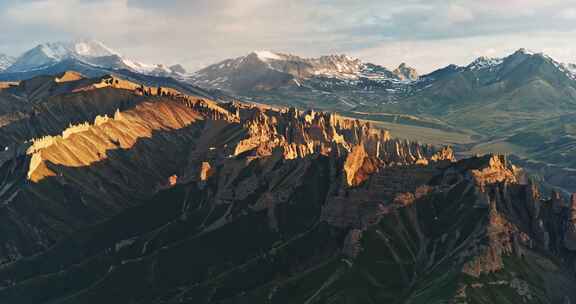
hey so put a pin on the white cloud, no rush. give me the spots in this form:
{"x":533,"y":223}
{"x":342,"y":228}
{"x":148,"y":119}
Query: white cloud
{"x":108,"y":17}
{"x":459,"y":14}
{"x":569,"y":14}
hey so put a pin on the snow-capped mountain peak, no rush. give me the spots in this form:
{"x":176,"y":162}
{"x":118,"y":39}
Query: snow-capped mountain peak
{"x":86,"y":51}
{"x":77,"y":48}
{"x":484,"y":62}
{"x":262,"y":70}
{"x":49,"y":53}
{"x":518,"y":57}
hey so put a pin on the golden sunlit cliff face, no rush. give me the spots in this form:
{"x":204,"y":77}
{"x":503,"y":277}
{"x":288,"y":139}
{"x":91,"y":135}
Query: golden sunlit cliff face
{"x":7,"y":84}
{"x":84,"y":144}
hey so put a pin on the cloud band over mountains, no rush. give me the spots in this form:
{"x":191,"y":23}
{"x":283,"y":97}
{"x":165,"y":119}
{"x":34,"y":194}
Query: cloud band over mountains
{"x":425,"y":33}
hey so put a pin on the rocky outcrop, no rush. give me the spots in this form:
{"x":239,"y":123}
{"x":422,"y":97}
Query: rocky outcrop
{"x":488,"y":257}
{"x":354,"y":161}
{"x":570,"y":236}
{"x":405,"y":72}
{"x":496,"y":171}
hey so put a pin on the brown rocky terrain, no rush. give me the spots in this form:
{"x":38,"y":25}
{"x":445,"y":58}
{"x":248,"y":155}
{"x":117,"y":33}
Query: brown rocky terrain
{"x":226,"y":131}
{"x":113,"y":192}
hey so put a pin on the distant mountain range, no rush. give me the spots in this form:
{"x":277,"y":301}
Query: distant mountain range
{"x":334,"y":81}
{"x":338,"y":81}
{"x":81,"y":52}
{"x":264,"y":70}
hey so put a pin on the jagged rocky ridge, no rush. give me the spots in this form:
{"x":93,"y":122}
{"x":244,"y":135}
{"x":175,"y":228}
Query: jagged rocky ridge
{"x":252,"y":131}
{"x":174,"y":198}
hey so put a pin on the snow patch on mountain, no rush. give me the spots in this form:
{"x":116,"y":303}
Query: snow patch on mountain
{"x":146,"y":68}
{"x":267,"y":55}
{"x":264,"y":70}
{"x":568,"y":69}
{"x":5,"y":61}
{"x":571,"y":69}
{"x":527,"y":51}
{"x":92,"y":48}
{"x":484,"y":63}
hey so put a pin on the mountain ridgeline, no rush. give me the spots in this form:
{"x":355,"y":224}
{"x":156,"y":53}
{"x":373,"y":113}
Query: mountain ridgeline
{"x":327,"y":82}
{"x":91,"y":57}
{"x":263,"y":70}
{"x":265,"y":74}
{"x":113,"y":191}
{"x":522,"y":104}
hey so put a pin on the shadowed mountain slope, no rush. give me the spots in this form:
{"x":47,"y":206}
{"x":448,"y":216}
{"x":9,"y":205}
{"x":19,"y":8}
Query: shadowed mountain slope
{"x":175,"y":198}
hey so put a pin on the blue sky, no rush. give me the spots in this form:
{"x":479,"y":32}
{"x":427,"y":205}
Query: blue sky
{"x":426,"y":34}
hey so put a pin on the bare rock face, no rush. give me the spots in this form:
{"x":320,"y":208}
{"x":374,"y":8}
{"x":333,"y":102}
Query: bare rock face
{"x":404,"y":199}
{"x":557,"y":202}
{"x":405,"y":72}
{"x":354,"y":162}
{"x":570,"y":236}
{"x":496,"y":171}
{"x":352,"y":247}
{"x":205,"y":171}
{"x":572,"y":205}
{"x":445,"y":154}
{"x":489,"y":258}
{"x":518,"y":219}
